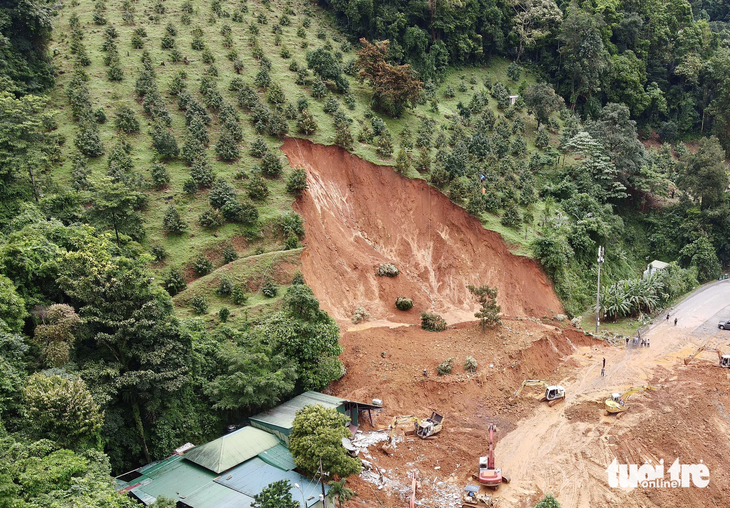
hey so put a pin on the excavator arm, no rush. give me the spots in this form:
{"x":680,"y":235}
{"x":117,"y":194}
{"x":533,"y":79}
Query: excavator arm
{"x":700,"y":350}
{"x":530,"y":382}
{"x":636,"y":389}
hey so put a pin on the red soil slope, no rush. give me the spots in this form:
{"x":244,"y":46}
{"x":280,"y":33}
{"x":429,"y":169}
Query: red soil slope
{"x":359,"y":215}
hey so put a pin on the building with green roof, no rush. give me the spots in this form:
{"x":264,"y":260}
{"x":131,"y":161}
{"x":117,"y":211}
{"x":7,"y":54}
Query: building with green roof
{"x":232,"y":449}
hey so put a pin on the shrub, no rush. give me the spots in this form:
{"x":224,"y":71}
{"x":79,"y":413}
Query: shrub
{"x":257,"y":188}
{"x":164,"y":142}
{"x":158,"y":253}
{"x":88,"y":140}
{"x":511,"y":216}
{"x":172,"y":223}
{"x":271,"y":165}
{"x":259,"y":148}
{"x":190,"y":186}
{"x":199,"y":304}
{"x":297,"y":182}
{"x":229,"y":254}
{"x":432,"y":322}
{"x":221,"y":193}
{"x":211,"y":219}
{"x":202,"y":173}
{"x":100,"y":115}
{"x":223,"y":314}
{"x":331,"y":105}
{"x":202,"y":265}
{"x":238,"y":295}
{"x":291,"y":223}
{"x":227,"y":148}
{"x":319,"y":89}
{"x":168,"y":42}
{"x":470,"y":364}
{"x":126,"y":121}
{"x":225,"y":286}
{"x":403,"y":303}
{"x":387,"y":270}
{"x":174,"y":281}
{"x":445,"y":367}
{"x":269,"y":289}
{"x":360,"y":315}
{"x":291,"y":242}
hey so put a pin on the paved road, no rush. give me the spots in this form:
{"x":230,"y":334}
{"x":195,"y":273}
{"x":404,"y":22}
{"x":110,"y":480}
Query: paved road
{"x":698,"y":314}
{"x":549,"y":453}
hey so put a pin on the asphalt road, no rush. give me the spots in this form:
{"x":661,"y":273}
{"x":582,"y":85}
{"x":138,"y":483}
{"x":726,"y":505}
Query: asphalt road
{"x":698,"y":314}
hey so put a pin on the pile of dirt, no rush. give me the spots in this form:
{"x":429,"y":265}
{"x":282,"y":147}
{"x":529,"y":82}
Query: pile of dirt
{"x":388,"y":363}
{"x":359,"y":215}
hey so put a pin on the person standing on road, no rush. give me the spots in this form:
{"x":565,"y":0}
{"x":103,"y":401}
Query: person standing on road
{"x":667,"y":318}
{"x":675,"y":321}
{"x":603,"y":372}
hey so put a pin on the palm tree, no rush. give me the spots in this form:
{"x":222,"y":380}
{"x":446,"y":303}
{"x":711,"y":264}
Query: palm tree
{"x":339,"y":492}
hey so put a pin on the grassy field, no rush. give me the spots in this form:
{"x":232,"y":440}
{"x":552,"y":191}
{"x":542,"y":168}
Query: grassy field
{"x":252,"y":23}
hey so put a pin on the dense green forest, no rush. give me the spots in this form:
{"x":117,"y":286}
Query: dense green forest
{"x":145,"y":211}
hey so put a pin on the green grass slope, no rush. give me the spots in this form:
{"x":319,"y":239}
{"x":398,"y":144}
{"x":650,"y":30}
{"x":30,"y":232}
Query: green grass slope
{"x":252,"y":25}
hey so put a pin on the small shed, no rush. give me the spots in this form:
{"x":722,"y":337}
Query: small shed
{"x":279,"y":420}
{"x":655,"y":266}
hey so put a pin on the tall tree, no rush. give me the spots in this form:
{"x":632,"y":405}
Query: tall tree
{"x":616,"y":131}
{"x":704,"y":173}
{"x":583,"y":55}
{"x":135,"y":354}
{"x":542,"y":100}
{"x":114,"y":207}
{"x":394,"y":86}
{"x":25,"y":151}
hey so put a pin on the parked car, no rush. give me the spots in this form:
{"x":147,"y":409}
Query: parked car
{"x":724,"y":325}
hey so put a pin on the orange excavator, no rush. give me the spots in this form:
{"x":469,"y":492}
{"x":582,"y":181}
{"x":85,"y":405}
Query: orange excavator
{"x":489,"y":475}
{"x":724,"y":359}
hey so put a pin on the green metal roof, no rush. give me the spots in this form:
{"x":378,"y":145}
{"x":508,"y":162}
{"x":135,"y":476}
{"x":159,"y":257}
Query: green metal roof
{"x":215,"y":495}
{"x":173,"y":477}
{"x":283,"y":415}
{"x":232,"y":449}
{"x":278,"y":456}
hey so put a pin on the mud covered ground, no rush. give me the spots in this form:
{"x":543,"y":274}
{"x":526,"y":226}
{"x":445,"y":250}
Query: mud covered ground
{"x":358,"y":216}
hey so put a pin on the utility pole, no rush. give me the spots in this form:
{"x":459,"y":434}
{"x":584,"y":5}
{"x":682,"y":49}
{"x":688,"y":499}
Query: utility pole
{"x":598,"y":290}
{"x":321,"y":480}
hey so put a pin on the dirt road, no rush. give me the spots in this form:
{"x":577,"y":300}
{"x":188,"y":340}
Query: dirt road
{"x":552,"y":452}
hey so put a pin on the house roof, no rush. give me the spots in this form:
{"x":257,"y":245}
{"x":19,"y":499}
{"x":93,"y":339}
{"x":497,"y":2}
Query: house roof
{"x":278,"y":456}
{"x":173,"y":477}
{"x":253,"y":476}
{"x":215,"y":495}
{"x":283,"y":414}
{"x":232,"y":449}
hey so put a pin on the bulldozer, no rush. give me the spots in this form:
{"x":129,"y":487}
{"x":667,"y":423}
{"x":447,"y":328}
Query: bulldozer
{"x":553,"y":393}
{"x":423,"y":428}
{"x":616,"y":403}
{"x":473,"y":495}
{"x":724,"y":359}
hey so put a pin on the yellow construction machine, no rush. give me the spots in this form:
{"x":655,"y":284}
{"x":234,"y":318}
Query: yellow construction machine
{"x":422,"y":427}
{"x":553,"y":393}
{"x":616,"y":403}
{"x":724,"y":359}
